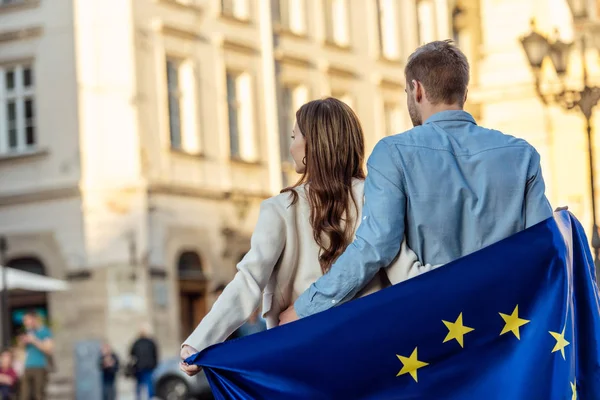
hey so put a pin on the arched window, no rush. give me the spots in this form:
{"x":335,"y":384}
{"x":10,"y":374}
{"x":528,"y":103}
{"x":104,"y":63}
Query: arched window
{"x":192,"y":290}
{"x":21,"y":301}
{"x":189,"y":266}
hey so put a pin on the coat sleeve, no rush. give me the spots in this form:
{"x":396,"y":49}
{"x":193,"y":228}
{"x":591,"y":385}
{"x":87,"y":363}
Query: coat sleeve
{"x":242,"y":295}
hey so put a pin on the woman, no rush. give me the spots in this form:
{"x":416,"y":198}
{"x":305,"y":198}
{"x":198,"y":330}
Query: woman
{"x":303,"y":230}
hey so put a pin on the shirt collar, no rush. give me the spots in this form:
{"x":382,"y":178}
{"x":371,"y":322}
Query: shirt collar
{"x":451,"y":115}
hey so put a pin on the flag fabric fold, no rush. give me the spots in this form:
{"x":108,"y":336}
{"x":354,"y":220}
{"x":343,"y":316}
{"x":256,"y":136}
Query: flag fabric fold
{"x":517,"y":320}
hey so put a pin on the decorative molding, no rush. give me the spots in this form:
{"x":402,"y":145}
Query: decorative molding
{"x":23,"y":4}
{"x":287,"y":59}
{"x":392,"y":85}
{"x":39,"y":196}
{"x":181,"y":6}
{"x":202,"y":193}
{"x":235,"y":20}
{"x":186,"y":191}
{"x":22,"y":155}
{"x":341,"y":72}
{"x":240,"y":47}
{"x":185,"y":34}
{"x":287,"y":32}
{"x":396,"y":62}
{"x":336,"y":46}
{"x":21,"y":34}
{"x":182,"y":153}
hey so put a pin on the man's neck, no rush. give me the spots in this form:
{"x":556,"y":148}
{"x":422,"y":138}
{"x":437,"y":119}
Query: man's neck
{"x":434,"y":109}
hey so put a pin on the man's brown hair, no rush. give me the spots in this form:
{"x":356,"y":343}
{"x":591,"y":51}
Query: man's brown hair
{"x":442,"y":69}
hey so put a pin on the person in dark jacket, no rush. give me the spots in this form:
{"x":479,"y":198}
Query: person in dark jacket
{"x":109,"y":365}
{"x":8,"y":376}
{"x":144,"y":354}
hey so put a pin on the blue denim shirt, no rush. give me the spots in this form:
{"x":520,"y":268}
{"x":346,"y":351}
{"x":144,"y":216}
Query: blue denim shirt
{"x":449,"y":185}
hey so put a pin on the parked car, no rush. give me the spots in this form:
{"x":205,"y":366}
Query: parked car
{"x":170,"y":383}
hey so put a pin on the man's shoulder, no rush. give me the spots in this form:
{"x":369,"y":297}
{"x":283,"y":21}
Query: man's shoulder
{"x":502,"y":138}
{"x":426,"y":136}
{"x":411,"y":136}
{"x":44,"y":333}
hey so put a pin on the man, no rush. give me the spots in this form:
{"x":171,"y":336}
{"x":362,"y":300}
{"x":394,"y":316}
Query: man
{"x":451,"y":186}
{"x":109,"y":365}
{"x":38,"y":350}
{"x":145,"y":359}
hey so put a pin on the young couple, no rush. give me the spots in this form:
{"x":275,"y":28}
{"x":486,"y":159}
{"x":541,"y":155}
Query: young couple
{"x":440,"y":191}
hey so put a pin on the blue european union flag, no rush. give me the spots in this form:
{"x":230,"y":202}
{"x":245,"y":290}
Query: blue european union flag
{"x":517,"y":320}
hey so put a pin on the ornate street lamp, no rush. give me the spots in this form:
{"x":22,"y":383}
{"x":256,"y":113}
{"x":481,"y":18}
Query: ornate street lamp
{"x":537,"y":48}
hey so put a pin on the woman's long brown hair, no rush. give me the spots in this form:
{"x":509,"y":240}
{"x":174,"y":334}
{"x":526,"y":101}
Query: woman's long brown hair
{"x":335,"y":151}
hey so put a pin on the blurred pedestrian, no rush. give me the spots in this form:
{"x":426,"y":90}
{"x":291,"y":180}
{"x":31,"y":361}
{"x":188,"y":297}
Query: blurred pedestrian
{"x":39,"y":347}
{"x":109,"y":365}
{"x":8,"y":376}
{"x":144,"y":354}
{"x":255,"y":324}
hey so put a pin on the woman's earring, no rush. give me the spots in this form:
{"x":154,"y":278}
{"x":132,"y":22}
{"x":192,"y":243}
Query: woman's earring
{"x":304,"y":160}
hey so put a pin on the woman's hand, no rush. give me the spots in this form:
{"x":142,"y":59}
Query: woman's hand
{"x":187,"y":351}
{"x":288,"y":316}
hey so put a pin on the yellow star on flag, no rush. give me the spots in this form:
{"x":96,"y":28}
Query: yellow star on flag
{"x":410,"y":365}
{"x":574,"y":389}
{"x":513,"y":322}
{"x":561,"y":342}
{"x":456,"y":330}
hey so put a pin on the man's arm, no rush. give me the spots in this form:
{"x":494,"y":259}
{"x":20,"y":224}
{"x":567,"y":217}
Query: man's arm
{"x":377,"y":242}
{"x":45,"y":343}
{"x":537,"y":206}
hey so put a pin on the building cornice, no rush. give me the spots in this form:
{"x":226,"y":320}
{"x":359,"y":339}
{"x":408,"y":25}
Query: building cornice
{"x":20,"y":34}
{"x":22,"y":5}
{"x":39,"y":196}
{"x":341,"y":72}
{"x":182,"y":6}
{"x":203,"y":193}
{"x":288,"y":59}
{"x":186,"y":34}
{"x":239,"y":47}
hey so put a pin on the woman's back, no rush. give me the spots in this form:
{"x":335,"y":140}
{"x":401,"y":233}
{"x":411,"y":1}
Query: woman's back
{"x":298,"y":266}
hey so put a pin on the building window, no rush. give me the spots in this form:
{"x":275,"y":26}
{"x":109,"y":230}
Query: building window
{"x":18,"y":131}
{"x":337,"y":19}
{"x":292,"y":98}
{"x":388,"y":29}
{"x":8,"y":2}
{"x":393,"y":118}
{"x":242,"y":139}
{"x":238,"y":9}
{"x":183,"y":106}
{"x":291,"y":15}
{"x":174,"y":103}
{"x":426,"y":20}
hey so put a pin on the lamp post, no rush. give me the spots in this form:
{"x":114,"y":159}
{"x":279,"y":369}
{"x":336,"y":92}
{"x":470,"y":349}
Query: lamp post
{"x":537,"y":48}
{"x":5,"y":319}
